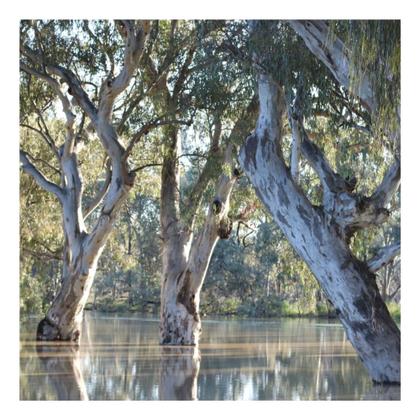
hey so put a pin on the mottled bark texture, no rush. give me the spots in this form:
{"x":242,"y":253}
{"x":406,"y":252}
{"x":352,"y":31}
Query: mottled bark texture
{"x":179,"y":368}
{"x":186,"y":256}
{"x":82,"y":248}
{"x":319,"y":236}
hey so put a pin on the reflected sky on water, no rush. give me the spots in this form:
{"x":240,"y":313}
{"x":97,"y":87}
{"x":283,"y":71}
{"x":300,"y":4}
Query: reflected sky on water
{"x":119,"y":359}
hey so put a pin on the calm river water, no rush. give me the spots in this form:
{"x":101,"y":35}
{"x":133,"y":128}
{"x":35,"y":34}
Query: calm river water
{"x":119,"y":359}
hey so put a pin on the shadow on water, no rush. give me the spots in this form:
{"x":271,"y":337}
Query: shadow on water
{"x":119,"y":359}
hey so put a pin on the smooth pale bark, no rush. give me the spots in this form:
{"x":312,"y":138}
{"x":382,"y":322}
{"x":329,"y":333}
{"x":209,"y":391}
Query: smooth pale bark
{"x":179,"y":367}
{"x":185,"y":256}
{"x":317,"y":238}
{"x":82,"y":249}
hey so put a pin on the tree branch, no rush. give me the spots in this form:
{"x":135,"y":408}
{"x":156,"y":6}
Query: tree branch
{"x":40,"y":179}
{"x":45,"y":137}
{"x":331,"y":181}
{"x":157,"y":122}
{"x":334,"y":54}
{"x":383,"y":257}
{"x":388,"y":187}
{"x":101,"y":193}
{"x":147,"y":165}
{"x":135,"y":34}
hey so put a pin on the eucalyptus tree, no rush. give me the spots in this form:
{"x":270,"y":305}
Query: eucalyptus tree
{"x":196,"y":87}
{"x":321,"y":234}
{"x":86,"y":69}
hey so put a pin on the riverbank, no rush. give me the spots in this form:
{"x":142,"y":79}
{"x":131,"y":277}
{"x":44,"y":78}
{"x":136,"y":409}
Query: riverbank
{"x":283,"y":310}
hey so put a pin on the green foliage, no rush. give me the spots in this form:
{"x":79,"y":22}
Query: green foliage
{"x":395,"y":310}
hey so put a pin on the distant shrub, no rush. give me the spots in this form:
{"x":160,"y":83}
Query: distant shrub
{"x":395,"y":310}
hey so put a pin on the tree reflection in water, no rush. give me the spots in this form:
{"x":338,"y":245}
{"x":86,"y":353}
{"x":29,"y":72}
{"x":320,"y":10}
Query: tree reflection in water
{"x":179,"y":367}
{"x":63,"y":371}
{"x":120,"y":359}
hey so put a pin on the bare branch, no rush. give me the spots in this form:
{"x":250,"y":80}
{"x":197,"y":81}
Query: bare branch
{"x":40,"y":179}
{"x":331,"y":181}
{"x":43,"y":161}
{"x":147,"y":165}
{"x":135,"y":34}
{"x":157,"y":122}
{"x":383,"y":257}
{"x":76,"y":90}
{"x":388,"y":187}
{"x":45,"y":136}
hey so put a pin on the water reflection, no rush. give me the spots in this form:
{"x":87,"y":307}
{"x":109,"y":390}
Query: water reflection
{"x":179,"y":369}
{"x":119,"y":358}
{"x":64,"y":374}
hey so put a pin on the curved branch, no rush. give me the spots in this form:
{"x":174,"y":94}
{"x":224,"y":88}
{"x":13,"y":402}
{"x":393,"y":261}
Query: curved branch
{"x":40,"y":179}
{"x":388,"y":187}
{"x":383,"y":257}
{"x":330,"y":180}
{"x":45,"y":137}
{"x":135,"y":38}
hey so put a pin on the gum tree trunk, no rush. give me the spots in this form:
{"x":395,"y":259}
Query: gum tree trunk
{"x":186,"y":258}
{"x":82,"y":249}
{"x":320,"y":235}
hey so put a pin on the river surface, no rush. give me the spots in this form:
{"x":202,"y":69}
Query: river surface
{"x":119,"y":359}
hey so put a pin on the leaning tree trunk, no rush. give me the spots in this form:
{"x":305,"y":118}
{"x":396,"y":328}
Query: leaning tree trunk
{"x":81,"y":254}
{"x":63,"y":320}
{"x":316,"y":235}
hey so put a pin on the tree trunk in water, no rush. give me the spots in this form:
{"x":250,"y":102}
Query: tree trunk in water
{"x":179,"y":324}
{"x":318,"y":238}
{"x":64,"y":318}
{"x":186,"y":259}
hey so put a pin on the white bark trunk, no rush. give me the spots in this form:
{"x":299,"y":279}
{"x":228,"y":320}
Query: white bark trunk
{"x":347,"y":282}
{"x":82,"y":249}
{"x":383,"y":257}
{"x":334,"y":54}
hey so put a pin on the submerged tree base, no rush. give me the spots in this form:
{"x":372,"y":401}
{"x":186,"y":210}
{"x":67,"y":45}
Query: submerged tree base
{"x":179,"y":327}
{"x":47,"y":331}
